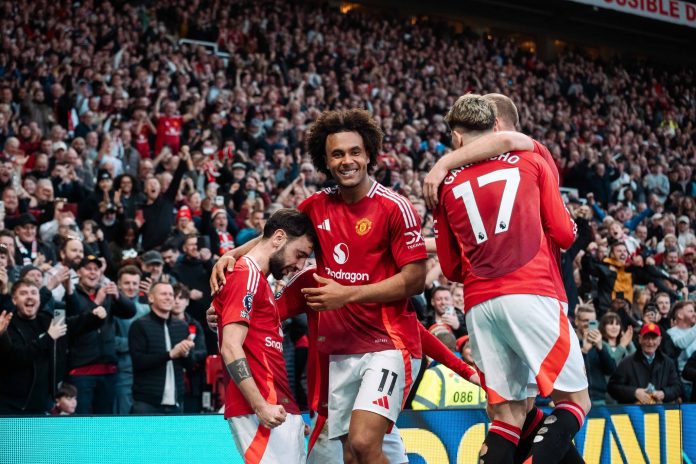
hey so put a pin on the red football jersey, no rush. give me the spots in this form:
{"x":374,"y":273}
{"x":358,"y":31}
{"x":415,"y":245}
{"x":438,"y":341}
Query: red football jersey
{"x":247,"y":298}
{"x":142,"y":142}
{"x":168,"y":133}
{"x":555,"y":251}
{"x":291,"y":302}
{"x":493,"y":223}
{"x":364,"y":243}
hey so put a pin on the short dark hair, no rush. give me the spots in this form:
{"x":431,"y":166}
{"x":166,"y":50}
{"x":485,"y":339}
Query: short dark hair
{"x":439,"y":289}
{"x":158,"y":283}
{"x":333,"y":122}
{"x":679,"y":305}
{"x":7,"y":233}
{"x":67,"y":239}
{"x":22,"y":283}
{"x":293,"y":222}
{"x":66,"y":390}
{"x":182,"y":291}
{"x":130,"y":270}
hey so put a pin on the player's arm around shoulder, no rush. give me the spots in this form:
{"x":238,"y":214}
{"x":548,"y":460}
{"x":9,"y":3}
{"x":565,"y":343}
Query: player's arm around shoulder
{"x":557,"y":221}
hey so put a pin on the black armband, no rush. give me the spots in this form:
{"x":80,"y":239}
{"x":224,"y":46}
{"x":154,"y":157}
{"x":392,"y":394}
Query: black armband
{"x":239,"y":370}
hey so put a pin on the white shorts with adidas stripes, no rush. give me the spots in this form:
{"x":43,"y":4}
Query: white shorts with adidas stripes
{"x":377,"y":382}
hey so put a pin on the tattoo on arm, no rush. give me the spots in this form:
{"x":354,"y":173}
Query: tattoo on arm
{"x":239,"y":370}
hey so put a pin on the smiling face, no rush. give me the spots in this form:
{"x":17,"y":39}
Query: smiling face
{"x":347,"y":159}
{"x":26,"y":298}
{"x":290,"y":257}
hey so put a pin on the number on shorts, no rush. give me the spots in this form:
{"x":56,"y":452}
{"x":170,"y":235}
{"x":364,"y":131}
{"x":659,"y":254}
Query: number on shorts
{"x":383,"y":382}
{"x":464,"y":191}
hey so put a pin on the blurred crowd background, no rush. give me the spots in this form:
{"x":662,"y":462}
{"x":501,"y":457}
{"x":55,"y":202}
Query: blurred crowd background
{"x":131,"y":156}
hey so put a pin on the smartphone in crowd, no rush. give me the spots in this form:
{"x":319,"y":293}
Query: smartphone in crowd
{"x":593,"y":324}
{"x":59,"y":316}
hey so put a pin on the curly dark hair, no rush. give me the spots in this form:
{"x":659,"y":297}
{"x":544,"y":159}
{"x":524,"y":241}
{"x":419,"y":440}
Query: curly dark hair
{"x":332,"y":122}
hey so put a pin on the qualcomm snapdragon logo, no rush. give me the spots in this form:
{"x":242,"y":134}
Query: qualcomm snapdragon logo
{"x":341,"y":253}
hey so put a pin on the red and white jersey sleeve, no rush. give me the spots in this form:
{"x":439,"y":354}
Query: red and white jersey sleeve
{"x":291,"y":302}
{"x":541,"y":149}
{"x":499,"y":212}
{"x":554,"y":249}
{"x":364,"y":243}
{"x":446,"y":241}
{"x":247,"y":299}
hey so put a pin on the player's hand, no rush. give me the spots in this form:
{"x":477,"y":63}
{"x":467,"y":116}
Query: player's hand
{"x":331,"y":294}
{"x":431,"y":183}
{"x":100,"y":312}
{"x":271,"y":415}
{"x":211,"y":318}
{"x":475,"y":379}
{"x":217,"y":277}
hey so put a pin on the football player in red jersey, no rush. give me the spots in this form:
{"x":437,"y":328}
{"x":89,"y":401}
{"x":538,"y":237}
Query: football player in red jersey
{"x":503,"y":140}
{"x":372,"y":259}
{"x":494,"y":221}
{"x":291,"y":302}
{"x":262,"y":414}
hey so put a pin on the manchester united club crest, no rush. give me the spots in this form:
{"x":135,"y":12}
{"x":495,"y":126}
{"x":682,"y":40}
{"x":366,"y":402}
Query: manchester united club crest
{"x":363,"y":226}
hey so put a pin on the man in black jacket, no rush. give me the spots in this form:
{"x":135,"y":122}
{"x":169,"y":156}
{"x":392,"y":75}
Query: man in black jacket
{"x":647,"y":376}
{"x":33,"y":359}
{"x":194,"y":273}
{"x":160,"y":347}
{"x":158,"y":211}
{"x":92,"y":361}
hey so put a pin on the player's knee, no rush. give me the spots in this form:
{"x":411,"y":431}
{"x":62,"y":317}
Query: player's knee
{"x":364,"y":447}
{"x":581,"y":398}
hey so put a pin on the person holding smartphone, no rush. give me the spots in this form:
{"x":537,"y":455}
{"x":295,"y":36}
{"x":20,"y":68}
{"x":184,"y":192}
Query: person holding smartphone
{"x":599,"y":363}
{"x":34,"y":359}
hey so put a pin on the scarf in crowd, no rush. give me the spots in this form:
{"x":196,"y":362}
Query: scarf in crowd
{"x":27,"y":258}
{"x":226,"y":242}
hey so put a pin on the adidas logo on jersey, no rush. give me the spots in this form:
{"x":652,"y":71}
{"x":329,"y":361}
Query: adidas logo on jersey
{"x":383,"y":401}
{"x":325,"y":225}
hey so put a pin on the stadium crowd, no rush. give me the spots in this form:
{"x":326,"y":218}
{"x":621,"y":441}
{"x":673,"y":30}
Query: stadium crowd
{"x":130,"y":158}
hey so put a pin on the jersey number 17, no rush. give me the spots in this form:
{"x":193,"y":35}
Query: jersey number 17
{"x":464,"y":191}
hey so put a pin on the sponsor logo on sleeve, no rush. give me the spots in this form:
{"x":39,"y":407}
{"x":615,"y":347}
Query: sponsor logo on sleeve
{"x":414,"y":239}
{"x":246,"y":302}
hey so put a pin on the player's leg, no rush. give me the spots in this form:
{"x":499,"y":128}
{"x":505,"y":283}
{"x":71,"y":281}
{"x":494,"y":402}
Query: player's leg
{"x":286,"y":443}
{"x":366,"y":436}
{"x":344,"y":384}
{"x":532,"y":423}
{"x":387,"y":377}
{"x":249,"y":437}
{"x":393,"y":447}
{"x":503,"y":376}
{"x":321,"y":449}
{"x":543,"y":336}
